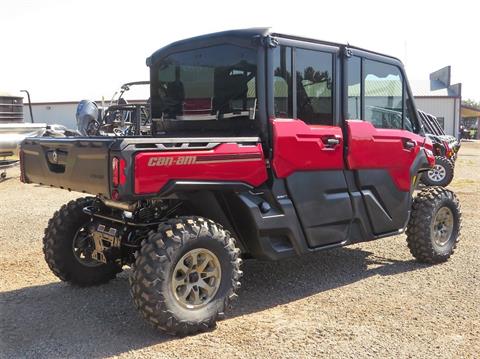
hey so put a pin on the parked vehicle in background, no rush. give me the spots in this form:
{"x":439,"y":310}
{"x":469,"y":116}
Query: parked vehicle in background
{"x":13,"y":129}
{"x":255,"y":150}
{"x":445,"y":148}
{"x":119,"y":118}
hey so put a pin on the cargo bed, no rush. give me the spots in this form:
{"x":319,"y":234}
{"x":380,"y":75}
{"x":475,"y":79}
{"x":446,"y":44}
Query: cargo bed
{"x":83,"y":164}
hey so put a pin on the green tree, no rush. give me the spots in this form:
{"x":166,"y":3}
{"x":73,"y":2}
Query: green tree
{"x":471,"y":103}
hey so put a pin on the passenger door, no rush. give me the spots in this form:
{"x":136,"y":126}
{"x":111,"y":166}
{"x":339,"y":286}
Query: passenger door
{"x":307,"y":139}
{"x":383,"y":150}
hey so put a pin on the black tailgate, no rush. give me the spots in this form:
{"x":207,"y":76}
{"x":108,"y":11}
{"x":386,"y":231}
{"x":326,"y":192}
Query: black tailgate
{"x":77,"y":164}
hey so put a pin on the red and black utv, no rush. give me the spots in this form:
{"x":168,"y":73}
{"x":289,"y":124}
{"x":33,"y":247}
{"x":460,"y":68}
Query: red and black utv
{"x":263,"y":145}
{"x":445,"y":149}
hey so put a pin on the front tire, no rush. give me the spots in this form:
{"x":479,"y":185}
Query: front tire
{"x":441,"y":174}
{"x":59,"y":247}
{"x":434,"y":227}
{"x":185,"y":275}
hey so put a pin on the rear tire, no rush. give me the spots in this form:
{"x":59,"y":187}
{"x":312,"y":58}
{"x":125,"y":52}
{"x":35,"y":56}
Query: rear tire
{"x":441,"y":174}
{"x":166,"y":259}
{"x":58,"y":247}
{"x":434,"y":227}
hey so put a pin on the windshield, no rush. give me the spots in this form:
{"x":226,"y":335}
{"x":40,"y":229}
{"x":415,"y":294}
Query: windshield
{"x":212,"y":83}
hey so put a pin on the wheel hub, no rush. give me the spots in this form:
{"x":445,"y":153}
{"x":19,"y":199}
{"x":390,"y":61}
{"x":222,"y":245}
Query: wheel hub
{"x":196,"y":278}
{"x":193,"y":277}
{"x":442,"y":226}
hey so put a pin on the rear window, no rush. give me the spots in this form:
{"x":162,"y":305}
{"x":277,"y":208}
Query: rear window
{"x":212,"y":83}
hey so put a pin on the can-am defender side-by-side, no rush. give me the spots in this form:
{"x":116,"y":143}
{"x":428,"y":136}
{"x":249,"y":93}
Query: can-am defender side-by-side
{"x":263,"y":145}
{"x":445,"y":148}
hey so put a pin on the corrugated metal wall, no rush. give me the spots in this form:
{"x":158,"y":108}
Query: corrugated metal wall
{"x":446,"y":107}
{"x":60,"y":114}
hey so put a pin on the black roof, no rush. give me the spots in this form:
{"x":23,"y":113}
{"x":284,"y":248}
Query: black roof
{"x":241,"y":34}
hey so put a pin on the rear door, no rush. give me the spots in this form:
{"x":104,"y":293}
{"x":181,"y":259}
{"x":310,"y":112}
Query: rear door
{"x":383,"y":148}
{"x":307,"y":137}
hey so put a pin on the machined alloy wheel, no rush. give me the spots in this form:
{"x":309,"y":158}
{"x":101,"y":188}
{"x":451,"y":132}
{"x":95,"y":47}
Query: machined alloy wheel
{"x":185,"y":275}
{"x":196,"y":278}
{"x":434,"y":227}
{"x":442,"y":226}
{"x":437,"y":173}
{"x":441,"y":174}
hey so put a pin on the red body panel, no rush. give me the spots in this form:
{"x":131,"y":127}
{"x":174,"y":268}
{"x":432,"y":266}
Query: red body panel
{"x":226,"y":162}
{"x":301,"y":147}
{"x":374,"y":148}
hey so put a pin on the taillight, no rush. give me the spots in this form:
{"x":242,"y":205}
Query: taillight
{"x":448,"y":150}
{"x":118,"y":171}
{"x":115,"y":195}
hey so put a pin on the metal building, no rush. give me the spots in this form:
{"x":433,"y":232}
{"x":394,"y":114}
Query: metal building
{"x":441,"y":99}
{"x":445,"y":107}
{"x":61,"y":113}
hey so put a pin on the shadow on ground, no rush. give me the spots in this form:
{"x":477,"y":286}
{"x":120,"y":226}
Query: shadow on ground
{"x":58,"y":320}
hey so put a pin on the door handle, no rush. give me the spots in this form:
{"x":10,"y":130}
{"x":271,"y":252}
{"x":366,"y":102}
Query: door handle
{"x":409,"y":144}
{"x":330,"y":142}
{"x":333,"y":141}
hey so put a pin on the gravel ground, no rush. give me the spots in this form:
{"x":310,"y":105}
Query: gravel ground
{"x":366,"y":300}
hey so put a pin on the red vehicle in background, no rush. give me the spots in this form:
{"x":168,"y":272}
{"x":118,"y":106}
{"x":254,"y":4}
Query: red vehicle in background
{"x":445,"y":148}
{"x":262,"y":145}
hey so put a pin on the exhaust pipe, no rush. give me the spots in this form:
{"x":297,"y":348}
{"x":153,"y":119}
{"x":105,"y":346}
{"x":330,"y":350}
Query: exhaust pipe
{"x":125,"y":206}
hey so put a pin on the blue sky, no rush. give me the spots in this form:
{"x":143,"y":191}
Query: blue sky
{"x":69,"y":50}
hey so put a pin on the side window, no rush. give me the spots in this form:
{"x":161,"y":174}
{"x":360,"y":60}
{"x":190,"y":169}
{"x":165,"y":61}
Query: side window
{"x":314,"y":86}
{"x":410,"y":123}
{"x":282,"y":82}
{"x":383,"y":88}
{"x":353,"y":93}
